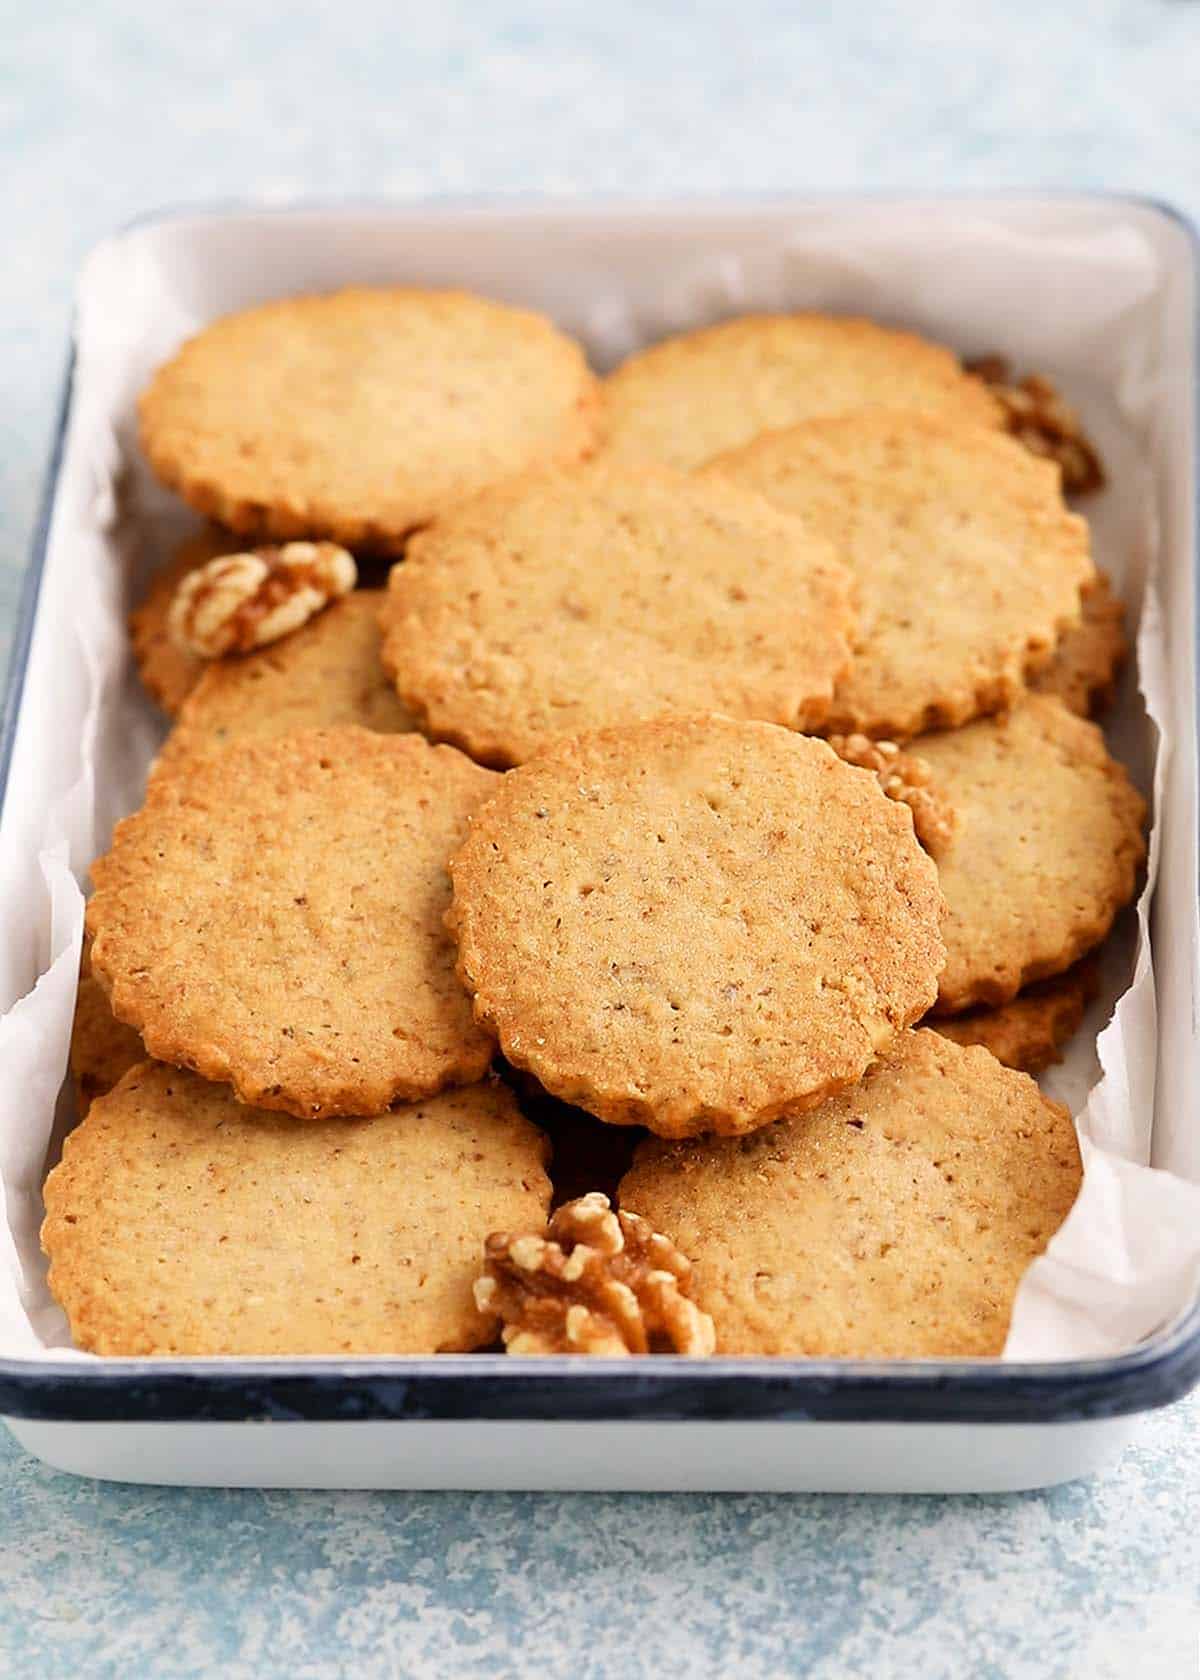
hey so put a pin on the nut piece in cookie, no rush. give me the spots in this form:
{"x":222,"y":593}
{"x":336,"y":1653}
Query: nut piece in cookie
{"x":326,"y":674}
{"x":599,"y":1282}
{"x":698,"y":394}
{"x":694,"y":924}
{"x":1037,"y":416}
{"x":575,"y":600}
{"x":894,"y":1222}
{"x":1087,"y":661}
{"x":274,"y":918}
{"x":969,"y":562}
{"x":243,"y":601}
{"x":903,"y":776}
{"x":1029,"y":1033}
{"x":179,"y":1222}
{"x":1047,"y":850}
{"x":360,"y":415}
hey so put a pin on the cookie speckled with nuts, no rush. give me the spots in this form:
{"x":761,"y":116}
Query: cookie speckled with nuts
{"x":894,"y":1222}
{"x":573,"y":600}
{"x":1029,"y":1033}
{"x":274,"y":918}
{"x":180,"y":1223}
{"x":701,"y":393}
{"x":360,"y":415}
{"x":1087,"y":661}
{"x":102,"y":1050}
{"x":969,"y":562}
{"x":1047,"y":848}
{"x":694,"y":924}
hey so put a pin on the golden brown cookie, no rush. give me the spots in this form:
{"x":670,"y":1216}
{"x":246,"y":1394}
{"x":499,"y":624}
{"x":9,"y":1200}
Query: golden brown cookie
{"x":968,"y":560}
{"x":1087,"y":661}
{"x":702,"y":393}
{"x":179,"y":1222}
{"x":574,"y":600}
{"x":101,"y":1048}
{"x":893,"y":1222}
{"x":168,"y":673}
{"x":361,"y":414}
{"x":274,"y":918}
{"x":1047,"y":848}
{"x":327,"y":674}
{"x":1029,"y":1033}
{"x":694,"y":924}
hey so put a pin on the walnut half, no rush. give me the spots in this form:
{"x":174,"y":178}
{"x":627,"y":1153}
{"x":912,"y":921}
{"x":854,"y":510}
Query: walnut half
{"x":600,"y":1282}
{"x":1037,"y":416}
{"x":243,"y":601}
{"x":904,"y":776}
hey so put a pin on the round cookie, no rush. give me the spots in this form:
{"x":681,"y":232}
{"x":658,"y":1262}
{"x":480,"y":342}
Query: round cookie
{"x":361,"y":414}
{"x":893,"y":1222}
{"x":1029,"y":1033}
{"x":274,"y":918}
{"x":181,"y":1223}
{"x":1083,"y":672}
{"x":1046,"y":851}
{"x":574,"y":600}
{"x":168,"y":673}
{"x":701,"y":393}
{"x":102,"y":1050}
{"x":969,"y":562}
{"x":696,"y":925}
{"x":326,"y":674}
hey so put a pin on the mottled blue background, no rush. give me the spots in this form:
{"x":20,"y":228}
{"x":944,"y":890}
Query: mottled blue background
{"x":118,"y":107}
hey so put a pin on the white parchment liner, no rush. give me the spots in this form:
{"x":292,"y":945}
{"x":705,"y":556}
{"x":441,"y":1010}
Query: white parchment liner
{"x":1087,"y":293}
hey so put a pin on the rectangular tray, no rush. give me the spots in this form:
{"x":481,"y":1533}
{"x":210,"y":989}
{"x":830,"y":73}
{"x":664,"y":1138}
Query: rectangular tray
{"x":483,"y":1420}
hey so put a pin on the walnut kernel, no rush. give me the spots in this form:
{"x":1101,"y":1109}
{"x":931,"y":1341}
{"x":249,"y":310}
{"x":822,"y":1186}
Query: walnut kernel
{"x":243,"y":601}
{"x":1037,"y":416}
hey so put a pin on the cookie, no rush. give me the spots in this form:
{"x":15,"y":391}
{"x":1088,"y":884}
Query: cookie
{"x":181,"y":1223}
{"x":168,"y":673}
{"x":273,"y":918}
{"x":969,"y":562}
{"x":361,"y":414}
{"x":1046,"y":851}
{"x":893,"y":1222}
{"x":696,"y":925}
{"x":699,"y":394}
{"x":574,"y":600}
{"x":1087,"y":661}
{"x":324,"y":675}
{"x":101,"y":1048}
{"x":1030,"y":1032}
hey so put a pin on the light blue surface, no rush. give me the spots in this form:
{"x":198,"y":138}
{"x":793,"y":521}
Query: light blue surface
{"x":112,"y":109}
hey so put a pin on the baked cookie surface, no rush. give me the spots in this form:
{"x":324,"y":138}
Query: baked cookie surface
{"x":694,"y":924}
{"x":969,"y":562}
{"x":358,"y":415}
{"x":179,"y":1222}
{"x":895,"y":1221}
{"x":101,"y":1048}
{"x":698,"y":394}
{"x":1030,"y":1032}
{"x":168,"y":673}
{"x":1046,"y":851}
{"x":324,"y":675}
{"x":273,"y":919}
{"x":1087,"y":661}
{"x":576,"y":600}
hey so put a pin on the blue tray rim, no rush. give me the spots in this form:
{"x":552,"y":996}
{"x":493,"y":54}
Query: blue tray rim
{"x":493,"y":1387}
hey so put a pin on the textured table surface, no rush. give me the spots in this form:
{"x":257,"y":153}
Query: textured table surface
{"x":119,"y":107}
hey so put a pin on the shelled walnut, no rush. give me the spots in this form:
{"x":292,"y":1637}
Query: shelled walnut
{"x":599,"y":1282}
{"x":1037,"y":416}
{"x":242,"y":601}
{"x":904,"y":776}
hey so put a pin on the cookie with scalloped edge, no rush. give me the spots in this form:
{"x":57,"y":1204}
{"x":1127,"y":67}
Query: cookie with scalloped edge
{"x":168,"y":673}
{"x":1088,"y":659}
{"x":694,"y":924}
{"x":274,"y":919}
{"x":969,"y":562}
{"x":324,"y":675}
{"x":1030,"y":1032}
{"x":896,"y":1221}
{"x":359,"y":415}
{"x":180,"y":1223}
{"x":102,"y":1049}
{"x":1046,"y":851}
{"x":698,"y":394}
{"x":576,"y":600}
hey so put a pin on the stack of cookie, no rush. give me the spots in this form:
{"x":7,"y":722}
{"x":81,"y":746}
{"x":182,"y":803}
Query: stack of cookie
{"x":719,"y":723}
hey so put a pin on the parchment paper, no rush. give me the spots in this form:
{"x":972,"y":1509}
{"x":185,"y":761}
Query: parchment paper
{"x":1086,"y":294}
